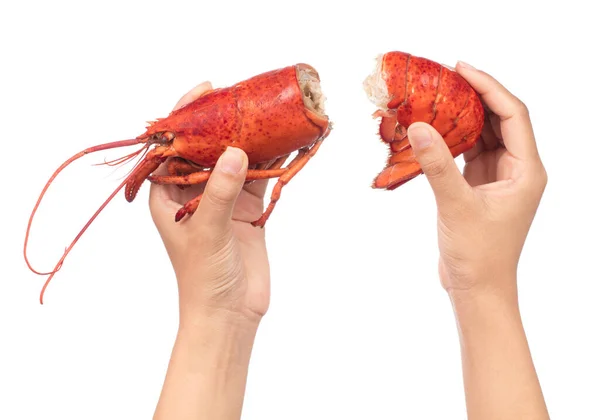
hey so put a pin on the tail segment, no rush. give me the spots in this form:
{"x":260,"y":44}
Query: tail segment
{"x":402,"y":167}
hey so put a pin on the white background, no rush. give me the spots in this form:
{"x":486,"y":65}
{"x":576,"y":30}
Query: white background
{"x":359,"y":326}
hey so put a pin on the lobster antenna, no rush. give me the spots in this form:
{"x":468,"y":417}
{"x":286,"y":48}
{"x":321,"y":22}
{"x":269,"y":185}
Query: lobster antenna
{"x":60,"y":262}
{"x":125,"y":159}
{"x":106,"y":146}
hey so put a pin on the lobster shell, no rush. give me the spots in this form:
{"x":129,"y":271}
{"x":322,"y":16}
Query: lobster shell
{"x":269,"y":116}
{"x":409,"y":89}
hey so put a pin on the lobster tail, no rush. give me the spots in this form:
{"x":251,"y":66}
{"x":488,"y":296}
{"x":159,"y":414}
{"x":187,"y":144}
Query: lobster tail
{"x":408,"y":89}
{"x":401,"y":168}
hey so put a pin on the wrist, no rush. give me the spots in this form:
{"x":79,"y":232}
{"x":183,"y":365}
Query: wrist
{"x":217,"y":326}
{"x":499,"y":377}
{"x":208,"y":369}
{"x":483,"y":284}
{"x":225,"y":311}
{"x":482,"y":296}
{"x":218,"y":349}
{"x":480,"y":312}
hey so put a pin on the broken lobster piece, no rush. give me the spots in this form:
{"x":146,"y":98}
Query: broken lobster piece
{"x":269,"y":116}
{"x":409,"y":89}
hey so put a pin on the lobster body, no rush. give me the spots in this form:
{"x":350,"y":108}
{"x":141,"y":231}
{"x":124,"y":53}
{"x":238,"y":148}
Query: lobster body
{"x":269,"y":116}
{"x":265,"y":116}
{"x":409,"y":89}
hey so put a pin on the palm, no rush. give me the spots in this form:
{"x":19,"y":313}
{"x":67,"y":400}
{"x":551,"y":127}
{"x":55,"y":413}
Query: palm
{"x":488,"y":161}
{"x":252,"y":247}
{"x":485,"y":167}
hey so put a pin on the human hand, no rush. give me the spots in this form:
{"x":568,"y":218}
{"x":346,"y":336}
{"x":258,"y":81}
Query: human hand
{"x":484,"y":216}
{"x":220,"y":259}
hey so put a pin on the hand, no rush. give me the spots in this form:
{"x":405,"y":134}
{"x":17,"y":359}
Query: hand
{"x":219,"y":258}
{"x":483,"y":220}
{"x":485,"y":216}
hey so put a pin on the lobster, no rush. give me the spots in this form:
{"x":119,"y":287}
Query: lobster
{"x":408,"y":89}
{"x":270,"y":116}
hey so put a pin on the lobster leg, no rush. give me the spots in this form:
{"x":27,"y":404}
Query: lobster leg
{"x":189,"y":208}
{"x":202,"y":176}
{"x":263,"y":165}
{"x":178,"y":166}
{"x":192,"y":205}
{"x":278,"y":163}
{"x":284,"y":175}
{"x":274,"y":164}
{"x":292,"y":169}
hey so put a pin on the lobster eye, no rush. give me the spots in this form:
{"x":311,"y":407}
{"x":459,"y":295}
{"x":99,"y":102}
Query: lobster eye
{"x":166,"y":137}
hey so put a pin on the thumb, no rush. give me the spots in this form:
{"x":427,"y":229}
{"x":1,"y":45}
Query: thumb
{"x":222,"y":189}
{"x":437,"y":163}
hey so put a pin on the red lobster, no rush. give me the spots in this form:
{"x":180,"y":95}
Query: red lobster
{"x":269,"y":116}
{"x":409,"y":89}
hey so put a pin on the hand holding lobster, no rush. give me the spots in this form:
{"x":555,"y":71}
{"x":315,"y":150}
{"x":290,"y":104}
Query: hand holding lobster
{"x":484,"y":217}
{"x":219,"y":258}
{"x":269,"y":117}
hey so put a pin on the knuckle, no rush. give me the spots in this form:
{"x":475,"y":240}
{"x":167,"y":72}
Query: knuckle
{"x":521,"y":108}
{"x":543,"y":176}
{"x":542,"y":182}
{"x":435,"y":168}
{"x":538,"y":177}
{"x":218,"y":195}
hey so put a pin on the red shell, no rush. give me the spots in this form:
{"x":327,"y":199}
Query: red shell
{"x":422,"y":90}
{"x":264,"y":115}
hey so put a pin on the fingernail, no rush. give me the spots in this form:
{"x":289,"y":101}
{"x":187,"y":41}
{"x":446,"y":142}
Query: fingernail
{"x":231,"y":161}
{"x":465,"y":65}
{"x":419,"y":137}
{"x":204,"y":85}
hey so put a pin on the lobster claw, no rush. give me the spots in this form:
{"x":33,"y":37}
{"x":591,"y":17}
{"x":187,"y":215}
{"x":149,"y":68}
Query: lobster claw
{"x":151,"y":162}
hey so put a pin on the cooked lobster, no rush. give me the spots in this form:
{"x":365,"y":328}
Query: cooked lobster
{"x":408,"y":89}
{"x":269,"y":116}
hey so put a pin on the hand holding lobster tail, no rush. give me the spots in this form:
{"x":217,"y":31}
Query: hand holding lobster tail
{"x":484,"y":216}
{"x":483,"y":220}
{"x":219,"y":258}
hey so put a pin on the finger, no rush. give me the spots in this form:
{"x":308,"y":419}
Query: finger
{"x":475,"y":151}
{"x":159,"y":196}
{"x":193,"y":94}
{"x":437,"y":163}
{"x":517,"y":131}
{"x":495,"y":123}
{"x":222,"y":190}
{"x":488,"y":135}
{"x":258,"y":188}
{"x":163,"y":208}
